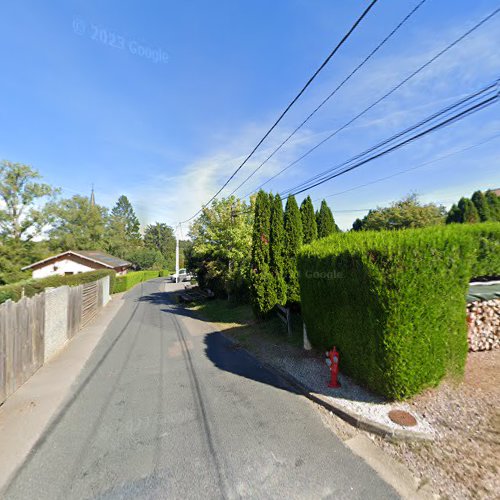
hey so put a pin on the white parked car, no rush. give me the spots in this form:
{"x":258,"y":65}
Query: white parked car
{"x":183,"y":276}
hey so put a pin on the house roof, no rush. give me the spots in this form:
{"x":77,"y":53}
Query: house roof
{"x":92,"y":255}
{"x":104,"y":258}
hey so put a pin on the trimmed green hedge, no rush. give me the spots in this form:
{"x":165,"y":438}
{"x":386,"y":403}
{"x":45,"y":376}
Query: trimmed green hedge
{"x":33,"y":287}
{"x":393,"y":302}
{"x":126,"y":282}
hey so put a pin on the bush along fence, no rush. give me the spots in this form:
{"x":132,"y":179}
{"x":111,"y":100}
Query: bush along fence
{"x":34,"y":328}
{"x":394,"y":302}
{"x":29,"y":288}
{"x":124,"y":283}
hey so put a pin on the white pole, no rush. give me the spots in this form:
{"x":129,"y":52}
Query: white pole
{"x":307,"y":344}
{"x":177,"y":257}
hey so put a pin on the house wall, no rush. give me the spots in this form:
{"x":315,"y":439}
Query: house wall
{"x":121,"y":271}
{"x":63,"y":266}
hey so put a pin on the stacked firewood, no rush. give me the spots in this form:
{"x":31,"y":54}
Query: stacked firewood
{"x":483,"y":318}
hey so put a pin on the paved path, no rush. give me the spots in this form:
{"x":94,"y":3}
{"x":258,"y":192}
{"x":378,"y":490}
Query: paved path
{"x":166,"y":409}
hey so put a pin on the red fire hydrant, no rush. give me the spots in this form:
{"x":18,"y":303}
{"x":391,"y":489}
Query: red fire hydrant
{"x":332,"y":360}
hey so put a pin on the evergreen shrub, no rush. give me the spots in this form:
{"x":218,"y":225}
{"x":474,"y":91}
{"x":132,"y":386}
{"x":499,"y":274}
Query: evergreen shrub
{"x":394,"y":302}
{"x":129,"y":280}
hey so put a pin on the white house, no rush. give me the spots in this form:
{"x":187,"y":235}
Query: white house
{"x":75,"y":262}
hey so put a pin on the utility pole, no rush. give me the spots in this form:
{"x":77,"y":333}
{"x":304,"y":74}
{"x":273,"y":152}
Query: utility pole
{"x":177,"y":255}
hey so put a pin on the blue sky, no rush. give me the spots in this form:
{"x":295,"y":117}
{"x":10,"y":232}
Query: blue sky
{"x":83,"y":101}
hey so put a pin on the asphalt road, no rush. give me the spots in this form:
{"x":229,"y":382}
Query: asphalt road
{"x":165,"y":408}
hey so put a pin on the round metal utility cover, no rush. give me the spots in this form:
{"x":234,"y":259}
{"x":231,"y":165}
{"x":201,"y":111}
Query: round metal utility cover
{"x":403,"y":418}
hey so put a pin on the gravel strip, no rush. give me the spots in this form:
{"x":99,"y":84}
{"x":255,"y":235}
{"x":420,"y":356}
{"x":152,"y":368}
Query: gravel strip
{"x":311,"y":371}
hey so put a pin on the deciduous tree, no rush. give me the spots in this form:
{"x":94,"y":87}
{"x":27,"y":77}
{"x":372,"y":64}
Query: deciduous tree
{"x":407,"y":213}
{"x":21,"y":213}
{"x":160,"y":236}
{"x":221,"y":245}
{"x":77,"y":225}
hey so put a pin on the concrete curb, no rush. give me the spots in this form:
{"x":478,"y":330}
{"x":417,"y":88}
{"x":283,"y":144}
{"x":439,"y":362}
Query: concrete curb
{"x":352,"y":418}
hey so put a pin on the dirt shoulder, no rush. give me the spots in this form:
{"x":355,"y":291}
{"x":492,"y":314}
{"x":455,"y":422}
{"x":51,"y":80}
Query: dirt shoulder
{"x":463,"y":461}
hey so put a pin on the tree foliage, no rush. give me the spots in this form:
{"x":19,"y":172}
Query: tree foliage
{"x":21,"y":216}
{"x":482,"y":207}
{"x":147,"y":258}
{"x":406,"y":213}
{"x":309,"y":227}
{"x":325,"y":221}
{"x":221,"y":241}
{"x":160,"y":237}
{"x":293,"y":242}
{"x":277,"y":248}
{"x":493,"y":201}
{"x":468,"y":211}
{"x":77,"y":225}
{"x":15,"y":254}
{"x":123,"y":229}
{"x":262,"y":289}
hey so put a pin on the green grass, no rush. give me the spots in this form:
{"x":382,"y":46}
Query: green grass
{"x":239,"y":322}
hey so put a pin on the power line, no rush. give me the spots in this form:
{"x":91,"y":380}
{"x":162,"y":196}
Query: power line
{"x":401,"y":172}
{"x":488,"y":100}
{"x":461,"y":115}
{"x":295,"y":99}
{"x":491,"y":88}
{"x":344,"y":81}
{"x":420,"y":165}
{"x":385,"y":96}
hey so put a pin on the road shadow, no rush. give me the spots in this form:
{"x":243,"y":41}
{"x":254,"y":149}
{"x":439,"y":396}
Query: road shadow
{"x":224,"y":353}
{"x":230,"y":357}
{"x":306,"y":367}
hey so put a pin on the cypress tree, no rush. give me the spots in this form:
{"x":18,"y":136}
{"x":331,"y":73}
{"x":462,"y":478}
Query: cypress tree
{"x":468,"y":211}
{"x":293,"y":242}
{"x":277,"y":248}
{"x":454,"y":215}
{"x":483,"y":209}
{"x":261,"y":280}
{"x":325,"y":221}
{"x":357,"y":225}
{"x":493,"y":201}
{"x":309,"y":227}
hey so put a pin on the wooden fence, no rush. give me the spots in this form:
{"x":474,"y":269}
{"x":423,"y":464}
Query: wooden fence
{"x":21,"y":342}
{"x":74,"y":309}
{"x":23,"y":338}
